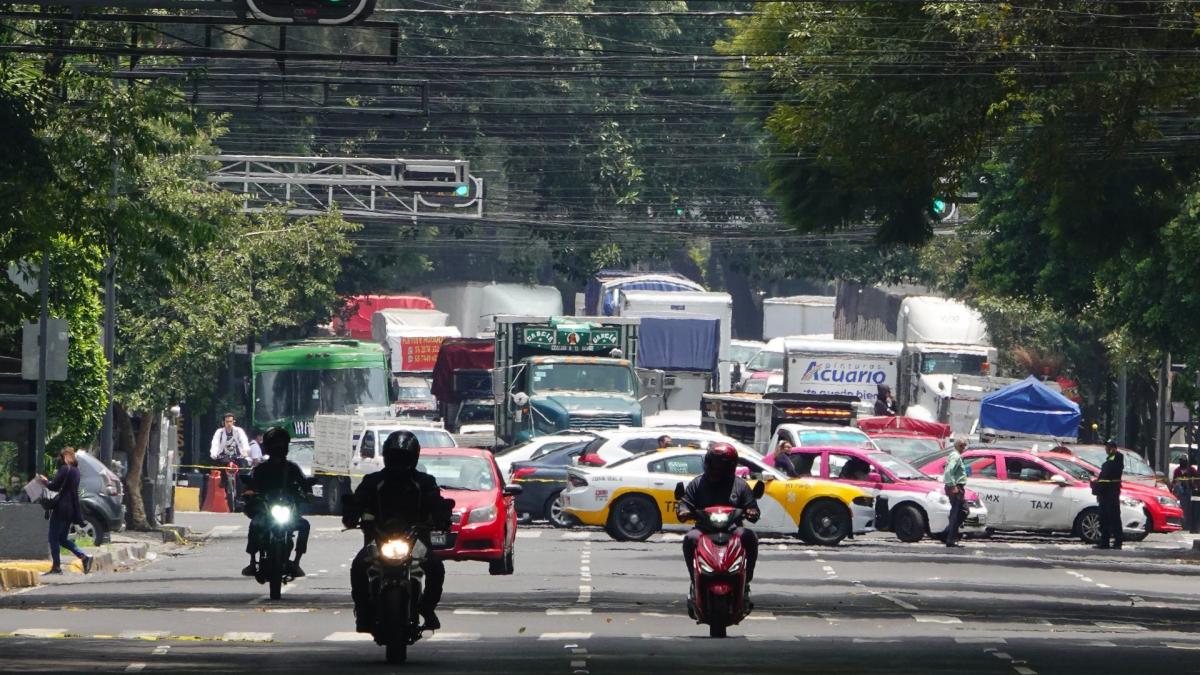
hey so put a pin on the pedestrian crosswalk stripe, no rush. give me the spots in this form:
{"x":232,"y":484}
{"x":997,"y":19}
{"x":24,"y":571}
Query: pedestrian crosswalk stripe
{"x":565,"y":636}
{"x":528,"y":534}
{"x":570,"y":611}
{"x":935,"y":618}
{"x":348,"y":637}
{"x":205,"y":609}
{"x":454,"y":637}
{"x":245,"y":636}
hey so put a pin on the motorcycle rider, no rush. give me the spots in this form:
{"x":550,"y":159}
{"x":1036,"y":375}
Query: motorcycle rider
{"x":398,"y":493}
{"x":275,"y":475}
{"x":720,"y":486}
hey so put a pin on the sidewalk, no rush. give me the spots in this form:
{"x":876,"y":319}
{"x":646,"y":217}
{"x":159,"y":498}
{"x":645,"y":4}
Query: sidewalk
{"x":125,"y":549}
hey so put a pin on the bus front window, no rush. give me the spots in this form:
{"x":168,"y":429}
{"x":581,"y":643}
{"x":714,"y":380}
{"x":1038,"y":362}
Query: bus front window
{"x":301,"y":394}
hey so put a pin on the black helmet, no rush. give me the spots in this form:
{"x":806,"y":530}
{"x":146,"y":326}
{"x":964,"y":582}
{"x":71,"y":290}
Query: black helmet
{"x":275,"y":442}
{"x":401,"y":450}
{"x":720,"y":462}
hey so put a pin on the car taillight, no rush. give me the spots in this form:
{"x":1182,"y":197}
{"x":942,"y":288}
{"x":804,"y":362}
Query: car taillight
{"x":576,"y":481}
{"x":522,"y":472}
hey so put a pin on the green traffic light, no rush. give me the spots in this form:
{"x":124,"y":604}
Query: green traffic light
{"x":462,"y":190}
{"x":679,"y":210}
{"x":939,"y":206}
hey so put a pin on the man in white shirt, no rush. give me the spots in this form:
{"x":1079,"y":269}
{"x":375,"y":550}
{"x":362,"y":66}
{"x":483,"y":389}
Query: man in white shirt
{"x":230,"y":443}
{"x":256,"y":453}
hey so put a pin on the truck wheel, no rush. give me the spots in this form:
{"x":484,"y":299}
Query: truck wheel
{"x":825,"y":522}
{"x":1087,"y":525}
{"x":908,"y":523}
{"x":634,"y":518}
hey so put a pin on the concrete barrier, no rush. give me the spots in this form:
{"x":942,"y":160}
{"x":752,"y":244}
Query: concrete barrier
{"x":23,"y":530}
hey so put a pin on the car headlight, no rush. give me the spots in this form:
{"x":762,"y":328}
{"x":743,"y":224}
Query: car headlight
{"x":282,"y":514}
{"x":1129,"y":501}
{"x":864,"y":501}
{"x":483,"y":514}
{"x":394,"y":549}
{"x":1168,"y":501}
{"x":938,"y":498}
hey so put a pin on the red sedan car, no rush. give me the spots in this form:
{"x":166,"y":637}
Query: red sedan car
{"x":1163,"y":511}
{"x":485,"y":520}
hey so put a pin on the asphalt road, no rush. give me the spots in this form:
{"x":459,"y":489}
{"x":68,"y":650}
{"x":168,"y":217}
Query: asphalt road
{"x":583,"y":604}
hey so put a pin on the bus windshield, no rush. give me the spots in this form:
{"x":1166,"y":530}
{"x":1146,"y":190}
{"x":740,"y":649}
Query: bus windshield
{"x":933,"y":363}
{"x":282,"y":394}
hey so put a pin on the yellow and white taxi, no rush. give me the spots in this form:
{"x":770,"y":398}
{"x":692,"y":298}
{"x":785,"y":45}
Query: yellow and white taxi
{"x":635,"y":497}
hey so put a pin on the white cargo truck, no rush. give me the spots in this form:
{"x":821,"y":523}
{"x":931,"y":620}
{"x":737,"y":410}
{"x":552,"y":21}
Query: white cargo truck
{"x":699,"y":304}
{"x":473,"y":306}
{"x":798,"y":315}
{"x":412,"y":338}
{"x":854,"y":368}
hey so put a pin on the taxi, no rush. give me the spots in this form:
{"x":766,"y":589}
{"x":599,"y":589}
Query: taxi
{"x":1032,"y":492}
{"x":634,"y":498}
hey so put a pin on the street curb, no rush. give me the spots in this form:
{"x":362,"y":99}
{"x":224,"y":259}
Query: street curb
{"x":12,"y":578}
{"x":25,"y":573}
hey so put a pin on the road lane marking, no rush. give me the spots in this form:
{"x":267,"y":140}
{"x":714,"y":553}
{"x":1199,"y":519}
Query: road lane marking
{"x":1002,"y":655}
{"x":143,"y":634}
{"x":1100,"y":643}
{"x":772,"y":638}
{"x":661,"y":638}
{"x":453,"y":637}
{"x":936,"y":618}
{"x":205,"y":609}
{"x":475,"y":612}
{"x":565,"y":636}
{"x":289,"y":610}
{"x":161,"y":650}
{"x":658,"y":615}
{"x":348,"y":637}
{"x":576,"y":536}
{"x":1022,"y":670}
{"x":875,"y":641}
{"x":764,"y":616}
{"x":528,"y":534}
{"x":247,"y":636}
{"x":1109,"y":625}
{"x":135,"y":667}
{"x":1181,"y":645}
{"x":570,"y":611}
{"x":895,"y":601}
{"x":980,"y":641}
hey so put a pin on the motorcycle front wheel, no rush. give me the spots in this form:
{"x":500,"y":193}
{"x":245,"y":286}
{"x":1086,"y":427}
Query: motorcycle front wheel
{"x":718,"y":615}
{"x":396,"y":620}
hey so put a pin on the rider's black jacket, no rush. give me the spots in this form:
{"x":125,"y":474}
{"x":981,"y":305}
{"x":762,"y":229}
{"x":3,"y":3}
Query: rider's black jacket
{"x":403,"y":497}
{"x":702,"y":493}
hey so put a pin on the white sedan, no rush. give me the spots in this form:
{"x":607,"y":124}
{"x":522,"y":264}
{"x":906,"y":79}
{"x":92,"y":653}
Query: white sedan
{"x":634,"y":498}
{"x":1039,"y":492}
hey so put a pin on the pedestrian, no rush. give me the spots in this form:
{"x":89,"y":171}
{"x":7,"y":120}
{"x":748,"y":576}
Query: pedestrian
{"x":65,"y":511}
{"x":664,"y":442}
{"x":256,"y":452}
{"x":885,"y":403}
{"x":781,"y":459}
{"x":954,"y":477}
{"x":1107,"y":488}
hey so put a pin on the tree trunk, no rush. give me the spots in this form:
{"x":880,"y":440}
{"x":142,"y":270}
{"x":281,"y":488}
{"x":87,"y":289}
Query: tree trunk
{"x":133,"y":477}
{"x":747,"y":314}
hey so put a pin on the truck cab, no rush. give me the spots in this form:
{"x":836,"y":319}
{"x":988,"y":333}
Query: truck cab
{"x":553,"y":394}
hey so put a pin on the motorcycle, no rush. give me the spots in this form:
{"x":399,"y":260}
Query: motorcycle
{"x":395,"y":574}
{"x":718,"y":593}
{"x":277,"y":539}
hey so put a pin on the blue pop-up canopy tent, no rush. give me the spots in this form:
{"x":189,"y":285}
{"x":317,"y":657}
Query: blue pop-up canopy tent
{"x":1030,"y":407}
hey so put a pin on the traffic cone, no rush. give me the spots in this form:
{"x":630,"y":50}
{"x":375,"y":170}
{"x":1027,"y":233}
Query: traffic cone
{"x":214,"y":496}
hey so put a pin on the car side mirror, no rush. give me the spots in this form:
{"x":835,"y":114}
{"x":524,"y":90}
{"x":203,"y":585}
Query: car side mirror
{"x":679,"y":491}
{"x":1058,"y":480}
{"x":874,"y":477}
{"x":759,"y":489}
{"x":513,"y":490}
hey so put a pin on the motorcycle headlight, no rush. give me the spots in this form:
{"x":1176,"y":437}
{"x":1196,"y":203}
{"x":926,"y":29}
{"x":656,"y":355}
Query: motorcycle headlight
{"x":281,"y":514}
{"x":1167,"y":501}
{"x":718,"y":519}
{"x":394,"y":549}
{"x":483,"y":514}
{"x":1129,"y":501}
{"x":939,"y":498}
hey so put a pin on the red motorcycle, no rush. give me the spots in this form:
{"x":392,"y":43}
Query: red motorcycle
{"x":718,"y":594}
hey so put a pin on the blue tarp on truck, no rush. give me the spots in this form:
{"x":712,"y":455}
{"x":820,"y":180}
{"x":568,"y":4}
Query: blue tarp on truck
{"x":600,"y":296}
{"x":672,"y":343}
{"x":1030,"y":407}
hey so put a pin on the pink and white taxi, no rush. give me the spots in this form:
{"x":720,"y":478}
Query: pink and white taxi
{"x":916,"y":504}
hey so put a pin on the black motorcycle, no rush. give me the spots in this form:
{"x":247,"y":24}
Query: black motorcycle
{"x":277,"y":539}
{"x":395,"y":575}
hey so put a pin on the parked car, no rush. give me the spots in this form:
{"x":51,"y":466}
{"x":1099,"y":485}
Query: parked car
{"x":916,"y":504}
{"x":1024,"y":491}
{"x":543,"y":479}
{"x":534,"y":448}
{"x":634,"y":498}
{"x":485,"y":518}
{"x":102,"y":498}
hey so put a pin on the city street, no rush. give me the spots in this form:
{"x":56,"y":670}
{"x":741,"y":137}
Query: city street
{"x":582,"y":603}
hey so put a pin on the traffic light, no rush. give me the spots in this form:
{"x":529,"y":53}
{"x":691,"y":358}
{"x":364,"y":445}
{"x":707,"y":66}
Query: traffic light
{"x":325,"y":12}
{"x":940,"y":210}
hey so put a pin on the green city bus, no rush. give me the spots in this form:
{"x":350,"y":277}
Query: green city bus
{"x":294,"y":380}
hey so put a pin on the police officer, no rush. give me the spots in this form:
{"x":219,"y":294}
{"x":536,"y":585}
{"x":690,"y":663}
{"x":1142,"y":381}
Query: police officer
{"x":1107,"y":488}
{"x":398,"y":493}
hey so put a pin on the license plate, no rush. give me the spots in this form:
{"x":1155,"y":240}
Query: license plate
{"x":318,"y":490}
{"x":437,"y":538}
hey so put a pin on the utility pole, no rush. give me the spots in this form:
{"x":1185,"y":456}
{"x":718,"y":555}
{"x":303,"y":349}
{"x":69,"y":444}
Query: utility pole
{"x":109,"y":332}
{"x":1122,"y":405}
{"x":43,"y":329}
{"x":1164,"y":400}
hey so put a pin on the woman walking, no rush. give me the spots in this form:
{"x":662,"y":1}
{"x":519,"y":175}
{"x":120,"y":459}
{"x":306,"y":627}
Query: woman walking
{"x":66,"y":510}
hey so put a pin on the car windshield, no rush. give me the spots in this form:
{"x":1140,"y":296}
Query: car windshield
{"x":907,"y":449}
{"x":476,"y":413}
{"x":600,"y":377}
{"x":282,"y":394}
{"x":414,"y":393}
{"x":1134,"y":464}
{"x":743,"y":353}
{"x":455,"y":472}
{"x":843,"y":438}
{"x":952,"y":364}
{"x":1068,"y":467}
{"x":756,"y":385}
{"x":899,"y":468}
{"x":765,"y":360}
{"x":428,"y":438}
